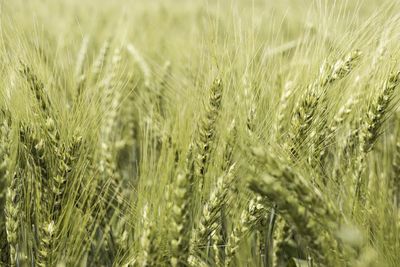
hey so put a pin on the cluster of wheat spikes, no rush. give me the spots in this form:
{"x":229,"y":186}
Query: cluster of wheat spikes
{"x":212,"y":133}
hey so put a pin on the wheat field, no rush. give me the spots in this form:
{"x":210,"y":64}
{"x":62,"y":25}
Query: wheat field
{"x":200,"y":133}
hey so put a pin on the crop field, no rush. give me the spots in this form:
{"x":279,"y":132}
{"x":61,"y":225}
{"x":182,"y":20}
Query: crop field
{"x":222,"y":133}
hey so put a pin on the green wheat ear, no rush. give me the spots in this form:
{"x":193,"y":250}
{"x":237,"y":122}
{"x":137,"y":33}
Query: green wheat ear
{"x":100,"y":62}
{"x":80,"y":75}
{"x":378,"y":110}
{"x":210,"y":222}
{"x":149,"y":251}
{"x":37,"y":87}
{"x":305,"y":112}
{"x":13,"y":198}
{"x":181,"y":223}
{"x":248,"y":220}
{"x":13,"y":213}
{"x":303,"y":205}
{"x":370,"y":132}
{"x":206,"y":131}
